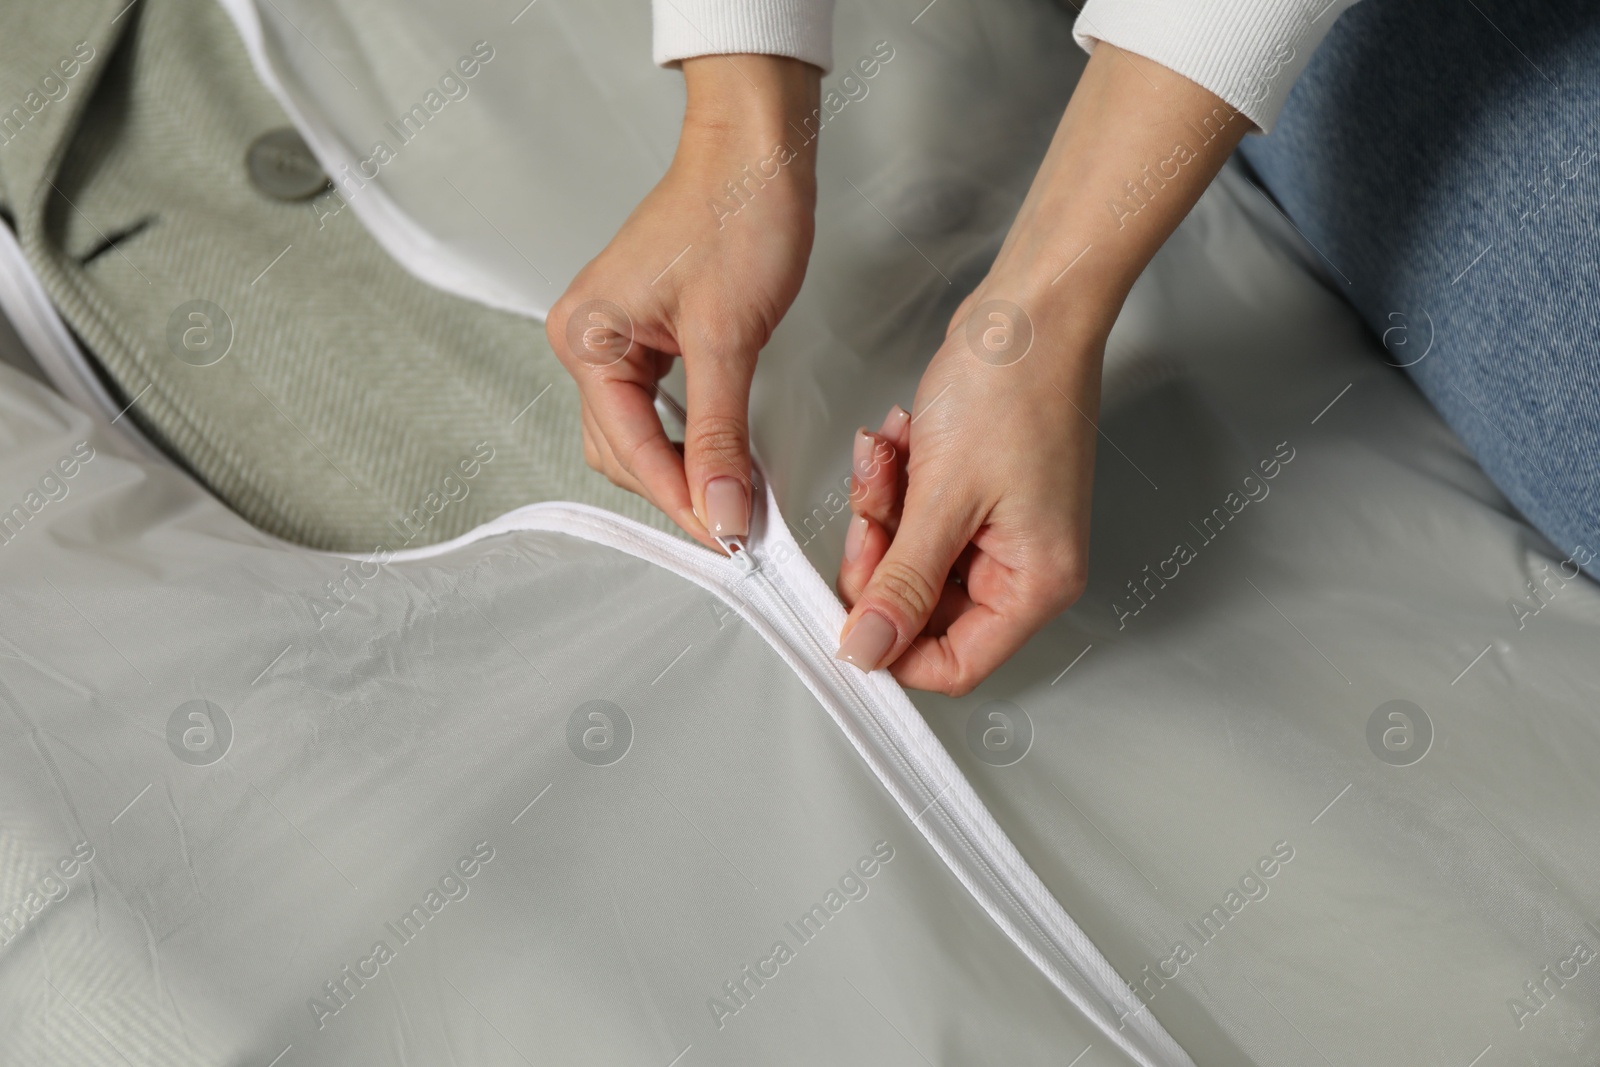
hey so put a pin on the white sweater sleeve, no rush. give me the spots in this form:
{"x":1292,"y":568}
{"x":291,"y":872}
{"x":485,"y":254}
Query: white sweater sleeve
{"x":802,"y":29}
{"x":1248,"y":52}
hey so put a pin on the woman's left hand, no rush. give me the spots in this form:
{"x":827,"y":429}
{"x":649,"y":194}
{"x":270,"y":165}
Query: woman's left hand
{"x":971,"y":524}
{"x":972,"y":514}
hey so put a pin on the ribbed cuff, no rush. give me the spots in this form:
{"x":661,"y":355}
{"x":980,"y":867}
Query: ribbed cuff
{"x":802,"y":29}
{"x":1248,"y":52}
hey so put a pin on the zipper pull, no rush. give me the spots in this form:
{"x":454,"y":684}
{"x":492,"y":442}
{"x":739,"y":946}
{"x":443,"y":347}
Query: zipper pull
{"x":738,"y":553}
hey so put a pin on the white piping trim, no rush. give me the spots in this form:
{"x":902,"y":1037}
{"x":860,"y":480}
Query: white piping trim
{"x":406,"y":242}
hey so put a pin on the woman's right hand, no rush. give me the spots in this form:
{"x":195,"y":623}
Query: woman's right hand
{"x":703,"y":269}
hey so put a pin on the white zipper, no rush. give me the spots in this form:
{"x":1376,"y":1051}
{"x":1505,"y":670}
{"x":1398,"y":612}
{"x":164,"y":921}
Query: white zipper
{"x":768,"y":581}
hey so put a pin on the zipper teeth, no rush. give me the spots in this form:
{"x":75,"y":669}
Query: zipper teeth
{"x":727,"y":577}
{"x":851,"y":690}
{"x":915,"y":773}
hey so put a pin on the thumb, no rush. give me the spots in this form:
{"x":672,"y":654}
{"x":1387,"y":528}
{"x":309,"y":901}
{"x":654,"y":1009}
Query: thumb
{"x":907,"y":584}
{"x":716,"y":439}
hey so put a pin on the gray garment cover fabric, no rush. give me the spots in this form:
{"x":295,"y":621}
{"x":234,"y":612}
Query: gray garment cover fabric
{"x":220,"y":801}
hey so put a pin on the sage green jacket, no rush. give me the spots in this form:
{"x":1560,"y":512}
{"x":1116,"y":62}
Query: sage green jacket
{"x":356,"y":407}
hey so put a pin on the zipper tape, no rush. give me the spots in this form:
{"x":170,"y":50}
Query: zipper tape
{"x":774,"y":588}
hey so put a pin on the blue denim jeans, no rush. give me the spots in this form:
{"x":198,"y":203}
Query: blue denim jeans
{"x":1449,"y":174}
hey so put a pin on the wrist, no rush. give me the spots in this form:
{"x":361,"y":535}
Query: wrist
{"x":750,"y":102}
{"x":1070,"y":307}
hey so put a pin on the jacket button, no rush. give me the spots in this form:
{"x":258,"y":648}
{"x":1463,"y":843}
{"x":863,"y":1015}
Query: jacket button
{"x":282,"y":167}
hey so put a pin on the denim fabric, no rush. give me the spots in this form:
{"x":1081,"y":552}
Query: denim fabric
{"x":1443,"y":156}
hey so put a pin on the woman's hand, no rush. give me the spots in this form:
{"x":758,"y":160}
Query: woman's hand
{"x":971,"y":525}
{"x":703,"y":269}
{"x":988,"y":539}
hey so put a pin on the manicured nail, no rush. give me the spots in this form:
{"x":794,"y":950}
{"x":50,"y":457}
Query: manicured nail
{"x":861,"y":455}
{"x":868,"y":641}
{"x":855,"y":537}
{"x":727,"y":508}
{"x":895,"y":422}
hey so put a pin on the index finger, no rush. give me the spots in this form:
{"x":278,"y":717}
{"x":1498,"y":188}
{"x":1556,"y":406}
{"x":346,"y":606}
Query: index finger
{"x":624,"y":412}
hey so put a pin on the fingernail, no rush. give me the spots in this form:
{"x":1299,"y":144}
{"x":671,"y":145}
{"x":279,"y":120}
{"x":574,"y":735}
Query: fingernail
{"x":861,"y":456}
{"x":727,"y":508}
{"x":855,"y":537}
{"x":868,"y":642}
{"x":895,"y":422}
